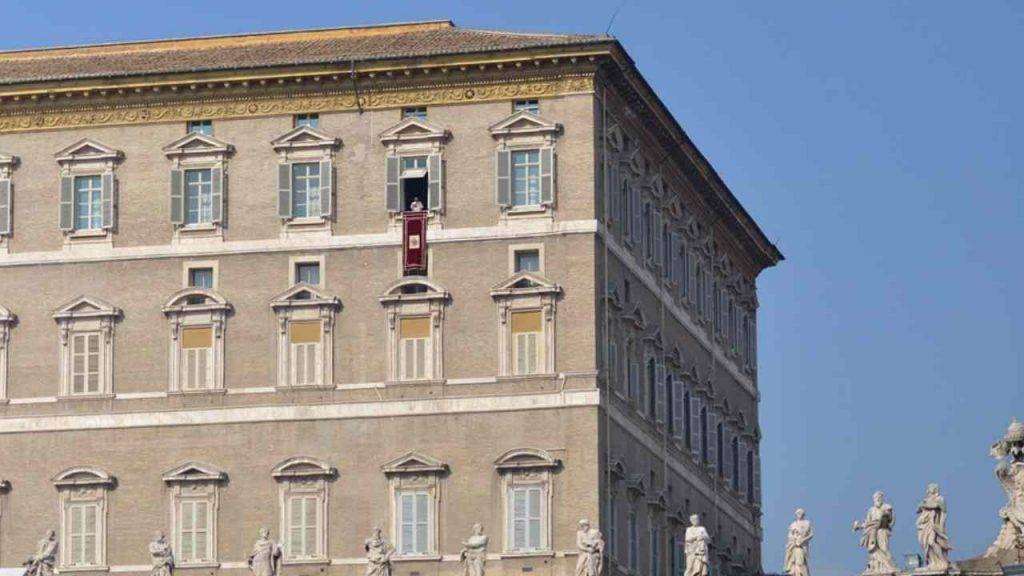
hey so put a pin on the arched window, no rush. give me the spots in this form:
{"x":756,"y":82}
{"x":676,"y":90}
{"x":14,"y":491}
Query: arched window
{"x":303,"y":495}
{"x":197,"y":321}
{"x":415,"y":319}
{"x":83,"y":521}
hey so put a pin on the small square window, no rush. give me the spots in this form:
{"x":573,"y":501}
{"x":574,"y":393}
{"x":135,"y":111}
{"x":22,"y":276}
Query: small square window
{"x":527,"y":261}
{"x":200,"y":278}
{"x":311,"y":120}
{"x":415,"y":112}
{"x":532,"y":105}
{"x":200,"y":127}
{"x":308,"y":272}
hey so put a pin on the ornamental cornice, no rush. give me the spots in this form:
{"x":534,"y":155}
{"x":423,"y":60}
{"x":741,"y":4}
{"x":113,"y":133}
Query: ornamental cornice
{"x":259,"y":99}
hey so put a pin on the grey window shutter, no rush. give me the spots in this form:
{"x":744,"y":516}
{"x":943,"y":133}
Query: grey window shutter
{"x":435,"y":182}
{"x":504,"y":181}
{"x":713,"y":440}
{"x":217,"y":194}
{"x":695,"y":426}
{"x":727,"y":445}
{"x":757,"y":476}
{"x":392,"y":187}
{"x":107,"y":199}
{"x":326,"y":187}
{"x":634,"y":198}
{"x":5,"y":207}
{"x":547,"y":176}
{"x":284,"y":190}
{"x":177,"y":197}
{"x":67,"y":203}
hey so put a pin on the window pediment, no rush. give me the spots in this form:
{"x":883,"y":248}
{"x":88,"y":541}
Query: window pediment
{"x":194,"y":472}
{"x":415,"y":463}
{"x":637,"y":485}
{"x":305,"y":138}
{"x":196,"y":300}
{"x":614,"y":300}
{"x":414,"y":129}
{"x":86,"y":307}
{"x":525,"y":123}
{"x":677,"y":516}
{"x":196,"y":144}
{"x":303,"y":467}
{"x":8,"y":163}
{"x":88,"y":150}
{"x":304,"y":295}
{"x":414,"y":289}
{"x":526,"y":459}
{"x":675,"y":357}
{"x":615,"y":138}
{"x":7,"y":317}
{"x":658,"y":502}
{"x":525,"y":283}
{"x":81,"y":476}
{"x":636,"y":316}
{"x":617,"y":469}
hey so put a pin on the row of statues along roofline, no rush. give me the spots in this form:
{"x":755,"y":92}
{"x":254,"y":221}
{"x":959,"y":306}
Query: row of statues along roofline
{"x":877,"y":526}
{"x":875,"y":530}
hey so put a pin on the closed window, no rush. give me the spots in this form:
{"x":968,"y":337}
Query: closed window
{"x":83,"y":527}
{"x":303,"y":523}
{"x":200,"y":127}
{"x":194,"y":532}
{"x":655,"y":550}
{"x":527,"y":261}
{"x":532,"y":105}
{"x":527,"y":331}
{"x":526,"y":178}
{"x":633,"y":547}
{"x":198,"y":196}
{"x":415,"y":112}
{"x":197,"y":358}
{"x":306,"y":352}
{"x":88,"y":203}
{"x":85,"y":363}
{"x":413,"y":348}
{"x":311,"y":120}
{"x":413,"y":522}
{"x":527,"y":510}
{"x":306,"y":190}
{"x":308,"y":273}
{"x":200,"y":278}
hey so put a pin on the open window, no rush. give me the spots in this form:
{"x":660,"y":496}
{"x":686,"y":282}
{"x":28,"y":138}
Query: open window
{"x":415,"y":310}
{"x":197,"y":319}
{"x":414,"y":167}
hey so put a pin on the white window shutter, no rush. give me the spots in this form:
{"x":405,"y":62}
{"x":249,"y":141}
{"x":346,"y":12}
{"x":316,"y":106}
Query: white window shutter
{"x":217,"y":193}
{"x":503,"y":178}
{"x":757,"y":475}
{"x":547,"y":176}
{"x":659,"y":394}
{"x":108,"y":194}
{"x":327,"y":186}
{"x":392,"y":187}
{"x":177,"y":196}
{"x":5,"y":207}
{"x":435,"y":183}
{"x":67,"y":203}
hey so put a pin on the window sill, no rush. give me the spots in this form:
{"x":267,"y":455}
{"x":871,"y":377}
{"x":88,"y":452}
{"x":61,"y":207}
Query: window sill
{"x":79,"y":397}
{"x":204,"y":392}
{"x":64,"y":569}
{"x":195,"y":233}
{"x":306,"y":561}
{"x":417,"y":558}
{"x":529,"y":554}
{"x":297,"y":387}
{"x":197,"y":566}
{"x":424,"y":381}
{"x":91,"y":233}
{"x":516,"y":377}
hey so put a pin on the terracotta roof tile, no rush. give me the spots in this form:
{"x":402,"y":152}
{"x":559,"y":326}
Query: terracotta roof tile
{"x":340,"y":45}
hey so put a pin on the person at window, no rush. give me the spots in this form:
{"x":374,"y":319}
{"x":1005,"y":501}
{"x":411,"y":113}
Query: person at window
{"x":42,"y":562}
{"x":378,"y":554}
{"x":416,"y":205}
{"x":160,"y":552}
{"x":265,"y":559}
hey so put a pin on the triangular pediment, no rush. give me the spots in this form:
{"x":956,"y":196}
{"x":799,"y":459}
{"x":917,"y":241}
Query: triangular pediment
{"x":88,"y":149}
{"x":86,"y":306}
{"x":524,"y":122}
{"x":8,"y":160}
{"x":194,"y":472}
{"x":303,"y":294}
{"x":6,"y":316}
{"x":305,"y":137}
{"x":413,"y":129}
{"x":414,"y":462}
{"x":197,"y":143}
{"x":525,"y":282}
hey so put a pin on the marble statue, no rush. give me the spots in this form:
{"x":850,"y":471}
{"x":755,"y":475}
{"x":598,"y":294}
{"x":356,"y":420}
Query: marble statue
{"x":798,"y":546}
{"x":160,"y":553}
{"x":474,"y":552}
{"x":42,"y":562}
{"x":697,"y":540}
{"x":265,"y":558}
{"x":378,"y":553}
{"x":590,"y":544}
{"x":877,"y":527}
{"x":931,"y":530}
{"x":1010,"y":471}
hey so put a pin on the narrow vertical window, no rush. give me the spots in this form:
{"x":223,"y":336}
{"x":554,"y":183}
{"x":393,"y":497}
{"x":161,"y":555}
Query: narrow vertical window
{"x":310,"y":120}
{"x":413,"y":348}
{"x":527,"y":518}
{"x":720,"y":449}
{"x":85,"y":363}
{"x":303,"y":523}
{"x":531,"y":105}
{"x":82,"y":538}
{"x":306,"y":190}
{"x":204,"y":127}
{"x":419,"y":112}
{"x":527,"y":331}
{"x":308,"y":273}
{"x":526,"y":178}
{"x":414,"y":522}
{"x":633,"y":547}
{"x":194,"y":532}
{"x":704,"y":435}
{"x":198,"y":196}
{"x":88,"y":203}
{"x":197,"y":358}
{"x":306,"y":352}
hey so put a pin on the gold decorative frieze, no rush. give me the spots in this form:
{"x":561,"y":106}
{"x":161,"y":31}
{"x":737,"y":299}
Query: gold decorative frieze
{"x":343,"y":99}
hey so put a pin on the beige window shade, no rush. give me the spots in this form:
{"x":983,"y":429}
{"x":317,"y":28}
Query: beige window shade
{"x":304,"y":332}
{"x":197,"y":338}
{"x":526,"y":321}
{"x":414,"y":328}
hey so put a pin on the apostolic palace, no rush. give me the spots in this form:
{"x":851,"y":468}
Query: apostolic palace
{"x":409,"y":277}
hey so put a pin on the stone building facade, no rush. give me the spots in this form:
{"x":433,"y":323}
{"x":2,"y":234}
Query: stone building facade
{"x":206,"y":326}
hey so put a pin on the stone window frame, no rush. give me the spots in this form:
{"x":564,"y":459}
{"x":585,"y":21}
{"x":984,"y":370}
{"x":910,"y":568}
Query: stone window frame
{"x":525,"y":131}
{"x":7,"y":321}
{"x":431,"y":304}
{"x":87,"y":157}
{"x":657,"y":507}
{"x":514,"y":249}
{"x":415,"y":471}
{"x":300,"y":145}
{"x":294,"y":261}
{"x":304,"y":475}
{"x":305,"y":303}
{"x":526,"y":292}
{"x":527,"y":467}
{"x":414,"y":136}
{"x":196,"y":308}
{"x":197,"y":482}
{"x":188,"y":265}
{"x":87,"y":314}
{"x":83,"y":485}
{"x":636,"y":490}
{"x":616,"y":479}
{"x":197,"y":151}
{"x":8,"y":163}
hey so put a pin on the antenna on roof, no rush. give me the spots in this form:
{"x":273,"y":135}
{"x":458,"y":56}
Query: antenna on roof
{"x":612,"y":19}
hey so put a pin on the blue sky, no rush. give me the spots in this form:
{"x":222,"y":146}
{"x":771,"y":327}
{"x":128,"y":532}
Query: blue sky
{"x":877,"y":143}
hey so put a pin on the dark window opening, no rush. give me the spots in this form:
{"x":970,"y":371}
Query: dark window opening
{"x":414,"y":289}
